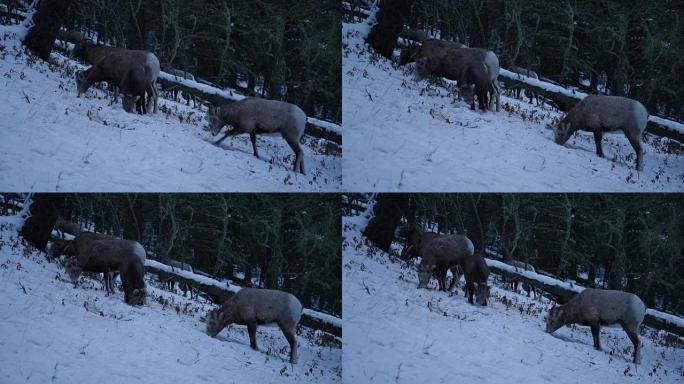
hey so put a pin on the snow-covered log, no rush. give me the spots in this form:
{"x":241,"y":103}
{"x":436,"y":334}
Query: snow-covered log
{"x":314,"y":127}
{"x":310,"y":318}
{"x":566,"y":98}
{"x":563,"y":291}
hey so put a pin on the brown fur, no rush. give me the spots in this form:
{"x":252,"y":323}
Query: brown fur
{"x":476,"y":274}
{"x":596,"y":307}
{"x":253,"y":307}
{"x":254,"y":116}
{"x":599,"y":114}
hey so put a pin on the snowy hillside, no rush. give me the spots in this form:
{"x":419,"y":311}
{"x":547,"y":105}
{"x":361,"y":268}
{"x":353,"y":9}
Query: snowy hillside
{"x":50,"y":140}
{"x":53,"y":332}
{"x":403,"y":135}
{"x":397,"y":333}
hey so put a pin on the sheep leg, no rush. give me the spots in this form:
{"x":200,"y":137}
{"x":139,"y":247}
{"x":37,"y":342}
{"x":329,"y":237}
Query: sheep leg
{"x":497,"y":93}
{"x":292,"y":339}
{"x":456,"y":277}
{"x":252,"y":137}
{"x":152,"y":97}
{"x":633,"y":335}
{"x":110,"y":281}
{"x":595,"y":329}
{"x":299,"y":155}
{"x":251,"y":328}
{"x":105,"y":281}
{"x":470,"y":290}
{"x":232,"y":132}
{"x":598,"y":136}
{"x":636,"y":144}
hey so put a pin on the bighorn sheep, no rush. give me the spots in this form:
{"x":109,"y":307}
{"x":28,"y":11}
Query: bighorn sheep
{"x":260,"y":116}
{"x":168,"y":279}
{"x":173,"y":90}
{"x":438,"y":253}
{"x":64,"y":226}
{"x":475,"y":70}
{"x":91,"y":53}
{"x":599,"y":114}
{"x":433,"y":48}
{"x":514,"y":281}
{"x":476,"y":274}
{"x":414,"y":34}
{"x":529,"y":73}
{"x":596,"y":307}
{"x":253,"y":307}
{"x":135,"y":72}
{"x":73,"y":37}
{"x":125,"y":256}
{"x":79,"y":246}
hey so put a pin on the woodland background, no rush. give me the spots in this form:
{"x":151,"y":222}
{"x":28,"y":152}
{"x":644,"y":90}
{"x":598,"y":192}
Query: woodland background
{"x":289,"y":242}
{"x":623,"y":48}
{"x":631,"y":242}
{"x":280,"y":50}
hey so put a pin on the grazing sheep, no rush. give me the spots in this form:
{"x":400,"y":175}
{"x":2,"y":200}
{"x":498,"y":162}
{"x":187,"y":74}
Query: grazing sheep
{"x":253,"y":307}
{"x":261,"y":116}
{"x":173,"y":90}
{"x":64,"y":226}
{"x":476,"y":274}
{"x":79,"y":246}
{"x":168,"y":279}
{"x":529,"y":73}
{"x":599,"y":114}
{"x":513,"y":281}
{"x":596,"y":307}
{"x":439,"y":253}
{"x":475,"y":70}
{"x":432,"y":48}
{"x":109,"y":255}
{"x":135,"y":72}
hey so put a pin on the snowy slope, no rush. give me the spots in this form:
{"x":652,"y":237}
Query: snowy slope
{"x":397,"y":333}
{"x":52,"y":332}
{"x":52,"y":141}
{"x":403,"y":135}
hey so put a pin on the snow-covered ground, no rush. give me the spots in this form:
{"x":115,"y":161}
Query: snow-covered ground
{"x":396,"y":333}
{"x":50,"y":140}
{"x":403,"y":135}
{"x":53,"y":332}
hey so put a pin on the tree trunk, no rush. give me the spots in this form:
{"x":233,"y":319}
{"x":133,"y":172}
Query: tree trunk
{"x":388,"y":211}
{"x":391,"y":16}
{"x":48,"y":19}
{"x":44,"y":211}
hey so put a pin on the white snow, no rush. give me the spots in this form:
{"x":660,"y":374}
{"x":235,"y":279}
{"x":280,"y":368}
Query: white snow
{"x":228,"y":94}
{"x":193,"y":276}
{"x":541,"y":84}
{"x":324,"y":317}
{"x":666,"y":317}
{"x":325,"y":125}
{"x":402,"y":135}
{"x":396,"y":333}
{"x":672,"y":125}
{"x":50,"y":140}
{"x":53,"y":332}
{"x":535,"y":276}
